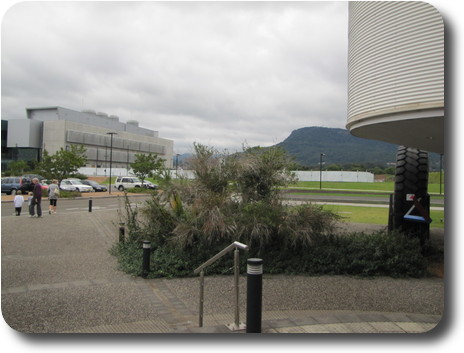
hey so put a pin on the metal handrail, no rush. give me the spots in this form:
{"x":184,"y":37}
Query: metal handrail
{"x":200,"y":269}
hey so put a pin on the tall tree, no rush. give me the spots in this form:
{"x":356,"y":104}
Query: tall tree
{"x":63,"y":164}
{"x":147,"y":165}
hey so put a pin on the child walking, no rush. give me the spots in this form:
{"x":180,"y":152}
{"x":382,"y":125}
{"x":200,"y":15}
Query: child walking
{"x":18,"y":204}
{"x":29,"y":204}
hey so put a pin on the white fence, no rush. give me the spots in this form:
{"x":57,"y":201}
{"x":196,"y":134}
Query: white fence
{"x":361,"y":177}
{"x":342,"y":176}
{"x":89,"y":171}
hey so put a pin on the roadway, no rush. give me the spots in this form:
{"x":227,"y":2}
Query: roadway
{"x":76,"y":205}
{"x":104,"y":201}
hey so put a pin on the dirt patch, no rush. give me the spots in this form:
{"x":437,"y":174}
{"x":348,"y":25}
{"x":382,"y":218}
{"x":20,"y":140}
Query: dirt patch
{"x":437,"y":270}
{"x":98,"y":179}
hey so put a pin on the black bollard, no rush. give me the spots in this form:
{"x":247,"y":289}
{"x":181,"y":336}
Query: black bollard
{"x":122,"y":233}
{"x":146,"y":258}
{"x":254,"y":295}
{"x":90,"y":205}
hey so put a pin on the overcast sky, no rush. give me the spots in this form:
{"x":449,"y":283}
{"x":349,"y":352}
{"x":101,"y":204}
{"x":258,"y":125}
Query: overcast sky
{"x":222,"y":74}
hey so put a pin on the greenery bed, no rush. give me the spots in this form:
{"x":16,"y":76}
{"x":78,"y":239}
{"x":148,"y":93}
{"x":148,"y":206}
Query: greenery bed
{"x":237,"y":198}
{"x":359,"y":254}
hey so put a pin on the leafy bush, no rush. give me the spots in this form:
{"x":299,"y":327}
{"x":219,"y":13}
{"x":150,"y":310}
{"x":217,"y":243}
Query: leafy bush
{"x":236,"y":198}
{"x":356,"y":254}
{"x":139,"y":190}
{"x":69,"y":194}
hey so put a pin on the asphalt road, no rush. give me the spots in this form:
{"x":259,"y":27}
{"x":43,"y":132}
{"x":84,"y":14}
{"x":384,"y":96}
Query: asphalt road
{"x":70,"y":206}
{"x":351,"y":198}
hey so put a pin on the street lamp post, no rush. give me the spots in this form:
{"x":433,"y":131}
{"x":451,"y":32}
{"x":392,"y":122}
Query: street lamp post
{"x":441,"y":170}
{"x":177,"y":162}
{"x":111,"y":154}
{"x":320,"y":171}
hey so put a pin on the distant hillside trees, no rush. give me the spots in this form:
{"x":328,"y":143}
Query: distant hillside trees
{"x":342,"y":150}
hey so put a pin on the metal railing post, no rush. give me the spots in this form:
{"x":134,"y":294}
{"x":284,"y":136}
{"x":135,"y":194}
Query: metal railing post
{"x":234,"y":246}
{"x":202,"y":293}
{"x":236,"y":278}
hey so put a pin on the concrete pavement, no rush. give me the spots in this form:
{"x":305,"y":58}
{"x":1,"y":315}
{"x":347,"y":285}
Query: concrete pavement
{"x":58,"y":276}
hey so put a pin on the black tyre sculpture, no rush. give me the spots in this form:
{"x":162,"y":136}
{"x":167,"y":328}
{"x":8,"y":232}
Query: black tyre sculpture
{"x":411,"y":177}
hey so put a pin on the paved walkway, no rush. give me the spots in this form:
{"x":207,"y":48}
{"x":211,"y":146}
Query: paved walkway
{"x":58,"y":276}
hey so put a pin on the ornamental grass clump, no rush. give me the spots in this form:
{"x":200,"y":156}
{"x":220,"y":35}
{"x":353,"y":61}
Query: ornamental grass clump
{"x":238,"y":198}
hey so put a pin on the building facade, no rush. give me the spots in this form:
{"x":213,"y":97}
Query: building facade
{"x":396,"y":73}
{"x":103,"y":136}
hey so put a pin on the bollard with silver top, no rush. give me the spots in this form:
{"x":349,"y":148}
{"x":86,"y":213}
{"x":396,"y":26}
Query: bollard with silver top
{"x":254,"y":295}
{"x":146,"y":258}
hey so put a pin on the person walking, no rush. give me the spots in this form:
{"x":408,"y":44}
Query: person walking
{"x":53,"y":193}
{"x":36,"y":199}
{"x":18,"y":204}
{"x":29,"y":203}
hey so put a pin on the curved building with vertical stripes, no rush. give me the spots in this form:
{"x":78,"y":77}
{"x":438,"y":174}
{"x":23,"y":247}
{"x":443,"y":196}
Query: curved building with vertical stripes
{"x":396,"y":73}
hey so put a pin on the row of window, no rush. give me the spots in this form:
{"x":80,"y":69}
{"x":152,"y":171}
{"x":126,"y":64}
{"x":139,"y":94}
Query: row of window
{"x":86,"y":138}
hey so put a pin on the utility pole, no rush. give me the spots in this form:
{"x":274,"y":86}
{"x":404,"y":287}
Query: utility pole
{"x":111,"y":154}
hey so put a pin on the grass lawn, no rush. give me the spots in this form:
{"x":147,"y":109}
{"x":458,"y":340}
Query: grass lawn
{"x":335,"y":194}
{"x":376,"y":194}
{"x":387,"y":187}
{"x":376,"y":215}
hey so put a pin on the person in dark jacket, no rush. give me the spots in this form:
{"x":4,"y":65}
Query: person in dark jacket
{"x":36,"y":199}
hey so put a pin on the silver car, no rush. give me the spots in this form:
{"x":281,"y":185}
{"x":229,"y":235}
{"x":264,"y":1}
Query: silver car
{"x":74,"y":185}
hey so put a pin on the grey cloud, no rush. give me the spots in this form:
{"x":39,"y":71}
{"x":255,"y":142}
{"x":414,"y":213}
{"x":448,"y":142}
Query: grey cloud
{"x":221,"y":72}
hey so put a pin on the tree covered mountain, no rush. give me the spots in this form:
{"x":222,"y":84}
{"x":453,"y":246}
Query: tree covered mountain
{"x":338,"y":145}
{"x":340,"y":148}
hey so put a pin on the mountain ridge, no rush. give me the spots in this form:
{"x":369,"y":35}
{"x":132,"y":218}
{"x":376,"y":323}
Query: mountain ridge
{"x":338,"y":145}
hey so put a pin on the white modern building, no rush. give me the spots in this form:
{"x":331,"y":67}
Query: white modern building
{"x":396,"y":73}
{"x":55,"y":128}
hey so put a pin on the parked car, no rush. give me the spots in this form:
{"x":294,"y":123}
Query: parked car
{"x":95,"y":185}
{"x":126,"y":182}
{"x":149,"y":185}
{"x":75,"y":185}
{"x":23,"y":184}
{"x":26,"y":182}
{"x":11,"y":185}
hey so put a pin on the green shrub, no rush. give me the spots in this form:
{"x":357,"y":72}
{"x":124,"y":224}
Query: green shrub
{"x":69,"y":194}
{"x":236,"y":199}
{"x":139,"y":190}
{"x":358,"y":254}
{"x":129,"y":255}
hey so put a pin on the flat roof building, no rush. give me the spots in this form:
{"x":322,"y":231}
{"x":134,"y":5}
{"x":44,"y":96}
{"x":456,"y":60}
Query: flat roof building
{"x":55,"y":128}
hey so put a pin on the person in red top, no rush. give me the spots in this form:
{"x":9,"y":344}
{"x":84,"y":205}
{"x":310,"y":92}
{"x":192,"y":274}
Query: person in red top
{"x":36,"y":199}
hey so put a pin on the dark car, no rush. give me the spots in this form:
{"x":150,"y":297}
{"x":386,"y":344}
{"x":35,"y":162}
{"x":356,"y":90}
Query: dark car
{"x":95,"y":185}
{"x":11,"y":185}
{"x":27,"y":185}
{"x":22,"y":184}
{"x":149,"y":185}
